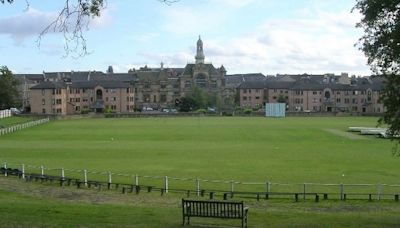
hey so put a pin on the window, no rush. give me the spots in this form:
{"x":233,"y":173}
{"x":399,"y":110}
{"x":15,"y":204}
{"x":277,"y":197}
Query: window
{"x":53,"y":101}
{"x":201,"y":80}
{"x":188,"y":84}
{"x":58,"y":101}
{"x":245,"y":91}
{"x":127,"y":99}
{"x":338,"y":100}
{"x":44,"y":111}
{"x":127,"y":91}
{"x":154,"y":98}
{"x":78,"y":99}
{"x":127,"y":108}
{"x":314,"y":92}
{"x":244,"y":98}
{"x":113,"y":107}
{"x":77,"y":108}
{"x":163,"y":98}
{"x":257,"y":98}
{"x":83,"y":90}
{"x":147,"y":85}
{"x":257,"y":90}
{"x":114,"y":99}
{"x":77,"y":91}
{"x":369,"y":96}
{"x":43,"y":102}
{"x":106,"y":99}
{"x":346,"y":100}
{"x":53,"y":92}
{"x":163,"y":86}
{"x":59,"y":110}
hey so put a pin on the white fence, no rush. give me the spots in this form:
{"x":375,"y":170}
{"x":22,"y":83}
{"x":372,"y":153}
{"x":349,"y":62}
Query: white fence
{"x":17,"y":127}
{"x":199,"y":186}
{"x":5,"y":113}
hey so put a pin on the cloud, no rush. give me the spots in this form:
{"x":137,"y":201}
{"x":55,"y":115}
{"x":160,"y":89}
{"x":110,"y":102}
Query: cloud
{"x":32,"y":22}
{"x":321,"y":44}
{"x":23,"y":25}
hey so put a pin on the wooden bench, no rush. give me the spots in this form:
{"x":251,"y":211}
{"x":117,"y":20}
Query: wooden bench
{"x":214,"y":209}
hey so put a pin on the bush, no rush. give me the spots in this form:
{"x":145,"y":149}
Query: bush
{"x":201,"y":110}
{"x":85,"y":111}
{"x":247,"y":111}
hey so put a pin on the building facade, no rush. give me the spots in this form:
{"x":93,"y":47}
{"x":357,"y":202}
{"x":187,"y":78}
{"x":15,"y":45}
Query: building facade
{"x":315,"y":93}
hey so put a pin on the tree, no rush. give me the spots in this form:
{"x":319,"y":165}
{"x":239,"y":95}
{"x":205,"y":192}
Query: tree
{"x":77,"y":13}
{"x":9,"y":95}
{"x":381,"y":44}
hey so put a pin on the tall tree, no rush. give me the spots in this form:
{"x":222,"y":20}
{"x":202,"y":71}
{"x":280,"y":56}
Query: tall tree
{"x":9,"y":95}
{"x":381,"y":44}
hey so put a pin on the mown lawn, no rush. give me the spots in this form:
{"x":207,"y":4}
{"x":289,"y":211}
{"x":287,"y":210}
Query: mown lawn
{"x":290,"y":150}
{"x":13,"y":120}
{"x":40,"y":205}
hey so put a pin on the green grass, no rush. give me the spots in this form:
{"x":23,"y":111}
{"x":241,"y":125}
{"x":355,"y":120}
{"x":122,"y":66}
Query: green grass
{"x":13,"y":120}
{"x":290,"y":150}
{"x":39,"y":205}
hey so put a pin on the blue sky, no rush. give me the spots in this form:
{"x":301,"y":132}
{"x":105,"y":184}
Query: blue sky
{"x":267,"y":36}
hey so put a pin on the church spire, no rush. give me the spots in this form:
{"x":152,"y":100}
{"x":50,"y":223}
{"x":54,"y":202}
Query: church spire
{"x":200,"y":53}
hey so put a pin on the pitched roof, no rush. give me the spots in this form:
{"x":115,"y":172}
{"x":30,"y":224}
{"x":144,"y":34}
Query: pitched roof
{"x":50,"y":85}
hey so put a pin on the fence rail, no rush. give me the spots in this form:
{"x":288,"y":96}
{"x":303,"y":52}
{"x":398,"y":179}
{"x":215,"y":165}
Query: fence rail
{"x":200,"y":187}
{"x":17,"y":127}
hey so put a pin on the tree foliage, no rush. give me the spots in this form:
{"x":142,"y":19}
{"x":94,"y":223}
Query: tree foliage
{"x":381,"y":44}
{"x":73,"y":20}
{"x":9,"y":95}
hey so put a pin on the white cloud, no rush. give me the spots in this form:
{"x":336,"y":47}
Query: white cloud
{"x":32,"y":22}
{"x":319,"y":45}
{"x":25,"y":24}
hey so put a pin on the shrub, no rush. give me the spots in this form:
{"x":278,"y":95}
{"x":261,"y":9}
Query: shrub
{"x":201,"y":110}
{"x":247,"y":111}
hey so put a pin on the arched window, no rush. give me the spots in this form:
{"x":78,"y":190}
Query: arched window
{"x":99,"y":94}
{"x":369,"y":95}
{"x":327,"y":95}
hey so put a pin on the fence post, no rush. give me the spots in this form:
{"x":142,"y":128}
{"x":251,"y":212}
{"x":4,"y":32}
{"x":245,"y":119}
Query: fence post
{"x":109,"y":180}
{"x":198,"y":186}
{"x":166,"y":184}
{"x":23,"y":171}
{"x":42,"y":170}
{"x":232,"y":186}
{"x":341,"y":191}
{"x":85,"y":177}
{"x":136,"y":180}
{"x":5,"y":169}
{"x":304,"y":191}
{"x":62,"y":174}
{"x":379,"y":188}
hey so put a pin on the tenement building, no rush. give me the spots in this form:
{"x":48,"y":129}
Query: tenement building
{"x":143,"y":88}
{"x":148,"y":88}
{"x":315,"y":93}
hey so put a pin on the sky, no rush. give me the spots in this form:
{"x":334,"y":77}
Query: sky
{"x":246,"y":36}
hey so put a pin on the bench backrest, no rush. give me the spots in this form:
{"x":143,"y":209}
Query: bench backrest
{"x":215,"y":209}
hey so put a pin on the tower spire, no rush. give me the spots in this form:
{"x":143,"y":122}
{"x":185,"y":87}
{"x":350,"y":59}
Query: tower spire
{"x":199,"y":53}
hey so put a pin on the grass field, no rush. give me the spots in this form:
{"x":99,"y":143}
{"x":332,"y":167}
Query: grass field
{"x":290,"y":150}
{"x":243,"y":149}
{"x":9,"y":121}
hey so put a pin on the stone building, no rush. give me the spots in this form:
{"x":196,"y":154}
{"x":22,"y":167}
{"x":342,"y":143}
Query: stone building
{"x":315,"y":93}
{"x":76,"y":97}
